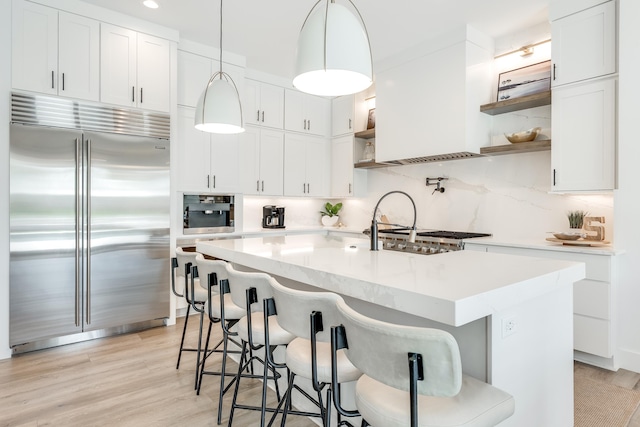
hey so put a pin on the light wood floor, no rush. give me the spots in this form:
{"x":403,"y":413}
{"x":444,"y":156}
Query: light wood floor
{"x":131,"y":380}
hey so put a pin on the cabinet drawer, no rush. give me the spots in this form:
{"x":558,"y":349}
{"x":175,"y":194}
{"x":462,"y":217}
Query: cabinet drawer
{"x":597,"y":267}
{"x":591,"y":298}
{"x":591,"y":335}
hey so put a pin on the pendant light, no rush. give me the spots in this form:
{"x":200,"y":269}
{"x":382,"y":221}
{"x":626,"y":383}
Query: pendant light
{"x":218,"y":109}
{"x":334,"y":54}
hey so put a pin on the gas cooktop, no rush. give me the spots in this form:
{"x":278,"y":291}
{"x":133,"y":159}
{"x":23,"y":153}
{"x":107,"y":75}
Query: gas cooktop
{"x":427,"y":241}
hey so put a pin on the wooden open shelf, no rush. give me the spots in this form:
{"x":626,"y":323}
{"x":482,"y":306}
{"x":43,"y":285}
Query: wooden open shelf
{"x":522,"y":147}
{"x":522,"y":103}
{"x":369,"y":133}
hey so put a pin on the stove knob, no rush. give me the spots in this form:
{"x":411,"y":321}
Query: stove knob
{"x":402,"y":246}
{"x":424,"y":249}
{"x":415,"y":248}
{"x":390,"y":245}
{"x":433,"y":250}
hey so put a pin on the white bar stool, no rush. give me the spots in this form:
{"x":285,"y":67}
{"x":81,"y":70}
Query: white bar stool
{"x":249,"y":290}
{"x":309,"y":315}
{"x":219,"y":308}
{"x":181,"y":279}
{"x":413,"y":376}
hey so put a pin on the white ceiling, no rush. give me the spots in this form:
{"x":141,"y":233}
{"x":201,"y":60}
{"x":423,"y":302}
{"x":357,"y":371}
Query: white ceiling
{"x":265,"y":32}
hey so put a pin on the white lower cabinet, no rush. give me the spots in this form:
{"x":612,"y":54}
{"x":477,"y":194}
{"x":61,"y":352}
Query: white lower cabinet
{"x":593,"y":297}
{"x":306,"y":164}
{"x":206,"y":162}
{"x":261,"y":169}
{"x":346,"y":181}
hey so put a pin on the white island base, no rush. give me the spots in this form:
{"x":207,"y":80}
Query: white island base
{"x":512,"y":316}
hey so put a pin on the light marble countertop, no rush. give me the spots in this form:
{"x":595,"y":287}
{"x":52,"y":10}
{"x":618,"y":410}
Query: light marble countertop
{"x":453,"y":288}
{"x":545,"y":245}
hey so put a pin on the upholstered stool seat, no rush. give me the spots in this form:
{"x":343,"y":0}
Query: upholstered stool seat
{"x":299,"y":355}
{"x":475,"y":406}
{"x":277,"y":335}
{"x":231,"y":311}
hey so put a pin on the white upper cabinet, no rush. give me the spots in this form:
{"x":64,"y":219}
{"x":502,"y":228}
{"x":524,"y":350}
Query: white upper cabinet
{"x":306,"y":113}
{"x":262,"y":161}
{"x":194,"y":72}
{"x":135,"y":69}
{"x":342,"y":115}
{"x":346,"y":181}
{"x":263,"y":104}
{"x":53,"y":52}
{"x":206,"y":162}
{"x":306,"y":165}
{"x":583,"y":153}
{"x":584,"y":44}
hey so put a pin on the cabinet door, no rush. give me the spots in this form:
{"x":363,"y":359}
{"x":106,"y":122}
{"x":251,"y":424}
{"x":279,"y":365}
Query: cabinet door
{"x":317,"y":167}
{"x":153,"y":73}
{"x":250,"y":160}
{"x":342,"y":111}
{"x":295,"y":159}
{"x":225,"y":163}
{"x":342,"y":167}
{"x":271,"y":106}
{"x":271,"y":162}
{"x":79,"y":57}
{"x":584,"y":44}
{"x":294,"y":115}
{"x":194,"y":72}
{"x":118,"y":65}
{"x":583,"y":152}
{"x":193,"y":154}
{"x":316,"y":111}
{"x":251,"y":102}
{"x":35,"y":47}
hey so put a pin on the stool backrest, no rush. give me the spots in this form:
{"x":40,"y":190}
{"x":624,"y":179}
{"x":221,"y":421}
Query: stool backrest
{"x":207,"y":266}
{"x":295,"y":306}
{"x":240,"y":281}
{"x":184,"y":257}
{"x":380,"y":350}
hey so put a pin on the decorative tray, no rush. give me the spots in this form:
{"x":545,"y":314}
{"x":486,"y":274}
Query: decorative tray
{"x":580,"y":242}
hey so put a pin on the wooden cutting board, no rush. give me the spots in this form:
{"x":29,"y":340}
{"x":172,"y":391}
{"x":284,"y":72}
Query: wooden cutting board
{"x":579,"y":242}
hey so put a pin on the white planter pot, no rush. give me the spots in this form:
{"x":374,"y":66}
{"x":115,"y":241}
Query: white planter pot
{"x":330,"y":221}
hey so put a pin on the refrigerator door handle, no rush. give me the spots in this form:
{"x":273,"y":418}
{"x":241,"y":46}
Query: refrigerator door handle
{"x":78,"y":228}
{"x":87,"y":276}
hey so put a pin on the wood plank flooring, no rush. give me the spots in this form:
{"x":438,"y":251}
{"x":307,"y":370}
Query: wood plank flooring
{"x":131,"y":380}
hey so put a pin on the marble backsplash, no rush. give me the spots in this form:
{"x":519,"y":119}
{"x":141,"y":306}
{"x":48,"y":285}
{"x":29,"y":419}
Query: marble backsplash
{"x":507,"y":196}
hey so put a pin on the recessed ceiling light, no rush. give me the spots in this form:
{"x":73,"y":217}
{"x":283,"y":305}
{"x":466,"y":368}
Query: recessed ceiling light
{"x":150,"y":4}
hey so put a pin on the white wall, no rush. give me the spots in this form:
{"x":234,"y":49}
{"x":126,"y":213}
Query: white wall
{"x":5,"y":89}
{"x":626,"y":197}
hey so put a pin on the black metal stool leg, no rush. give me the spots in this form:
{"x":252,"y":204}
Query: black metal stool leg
{"x":204,"y":360}
{"x":235,"y":392}
{"x":184,"y":332}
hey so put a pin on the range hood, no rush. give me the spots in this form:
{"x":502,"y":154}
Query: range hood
{"x":428,"y":98}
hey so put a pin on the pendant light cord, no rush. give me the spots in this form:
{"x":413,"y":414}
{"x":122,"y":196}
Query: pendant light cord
{"x":221,"y":39}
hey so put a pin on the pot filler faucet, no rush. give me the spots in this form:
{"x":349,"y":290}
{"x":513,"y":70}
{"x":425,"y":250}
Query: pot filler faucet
{"x":374,"y":222}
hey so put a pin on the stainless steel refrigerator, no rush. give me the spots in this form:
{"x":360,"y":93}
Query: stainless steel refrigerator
{"x":89,"y":218}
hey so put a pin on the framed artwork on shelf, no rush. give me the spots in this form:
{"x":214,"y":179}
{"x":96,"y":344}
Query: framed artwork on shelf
{"x":524,"y":81}
{"x":371,"y":121}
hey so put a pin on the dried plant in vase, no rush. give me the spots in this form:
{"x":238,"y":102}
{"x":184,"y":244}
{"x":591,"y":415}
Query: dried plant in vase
{"x":576,"y":218}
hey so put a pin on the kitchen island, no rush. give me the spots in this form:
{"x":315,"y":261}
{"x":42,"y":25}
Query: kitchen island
{"x":512,"y":316}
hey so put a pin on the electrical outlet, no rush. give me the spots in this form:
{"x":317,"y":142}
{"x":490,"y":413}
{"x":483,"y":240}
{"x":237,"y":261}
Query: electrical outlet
{"x":509,"y":326}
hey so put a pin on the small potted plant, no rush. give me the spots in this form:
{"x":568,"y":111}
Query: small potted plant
{"x":576,"y":219}
{"x":330,"y":214}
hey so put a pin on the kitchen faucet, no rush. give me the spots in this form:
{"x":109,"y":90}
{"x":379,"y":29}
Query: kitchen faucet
{"x":374,"y":222}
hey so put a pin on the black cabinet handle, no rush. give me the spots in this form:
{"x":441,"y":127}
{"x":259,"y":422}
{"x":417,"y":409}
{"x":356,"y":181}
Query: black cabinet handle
{"x":554,"y":72}
{"x":62,"y":81}
{"x":133,"y":94}
{"x":140,"y":95}
{"x":554,"y":177}
{"x":262,"y":116}
{"x":52,"y":86}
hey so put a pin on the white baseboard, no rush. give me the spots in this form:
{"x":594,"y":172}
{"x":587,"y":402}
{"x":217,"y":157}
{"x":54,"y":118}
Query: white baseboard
{"x":629,"y":360}
{"x":590,"y":359}
{"x":5,"y":354}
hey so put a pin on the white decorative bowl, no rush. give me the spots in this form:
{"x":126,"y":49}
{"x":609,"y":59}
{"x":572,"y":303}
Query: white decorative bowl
{"x":329,"y":221}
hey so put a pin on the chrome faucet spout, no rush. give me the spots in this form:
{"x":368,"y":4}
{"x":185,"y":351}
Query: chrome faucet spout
{"x":374,"y":222}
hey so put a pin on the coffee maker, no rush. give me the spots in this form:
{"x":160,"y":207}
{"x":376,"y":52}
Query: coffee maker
{"x":272,"y":216}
